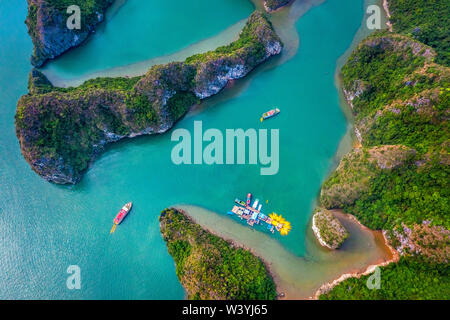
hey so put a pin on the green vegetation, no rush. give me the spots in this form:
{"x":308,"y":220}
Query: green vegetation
{"x":32,"y":20}
{"x":425,"y":132}
{"x":210,"y":267}
{"x":401,"y":98}
{"x":180,"y":103}
{"x":249,"y":42}
{"x":382,"y":66}
{"x":399,"y":180}
{"x":62,"y":129}
{"x":409,"y":279}
{"x":329,"y":229}
{"x":120,"y":83}
{"x":425,"y":20}
{"x":405,"y":195}
{"x":141,"y":108}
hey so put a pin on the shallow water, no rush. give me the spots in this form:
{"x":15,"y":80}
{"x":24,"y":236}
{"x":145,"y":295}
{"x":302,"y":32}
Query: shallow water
{"x":300,"y":277}
{"x":45,"y":228}
{"x":139,"y":30}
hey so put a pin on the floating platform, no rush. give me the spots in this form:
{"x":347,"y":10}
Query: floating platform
{"x":253,"y":215}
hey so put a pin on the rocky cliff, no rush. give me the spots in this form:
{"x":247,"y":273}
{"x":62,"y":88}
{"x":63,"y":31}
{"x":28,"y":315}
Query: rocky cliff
{"x":62,"y":130}
{"x":47,"y":25}
{"x":396,"y":179}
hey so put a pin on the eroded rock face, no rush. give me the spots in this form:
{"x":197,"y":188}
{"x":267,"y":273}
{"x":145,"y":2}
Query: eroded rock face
{"x":390,"y":157}
{"x":401,"y":44}
{"x":432,"y":242}
{"x":62,"y":130}
{"x":208,"y":86}
{"x":48,"y":30}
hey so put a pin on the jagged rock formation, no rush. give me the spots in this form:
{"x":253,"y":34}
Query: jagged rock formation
{"x":397,"y":179}
{"x":47,"y":26}
{"x":62,"y":130}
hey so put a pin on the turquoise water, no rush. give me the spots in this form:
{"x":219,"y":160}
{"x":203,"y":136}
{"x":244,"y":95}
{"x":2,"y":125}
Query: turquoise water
{"x":145,"y":29}
{"x":45,"y":228}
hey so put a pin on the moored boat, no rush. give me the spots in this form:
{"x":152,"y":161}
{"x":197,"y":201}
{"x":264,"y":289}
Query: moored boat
{"x":270,"y":114}
{"x":254,"y":216}
{"x":255,"y":204}
{"x":123,"y":213}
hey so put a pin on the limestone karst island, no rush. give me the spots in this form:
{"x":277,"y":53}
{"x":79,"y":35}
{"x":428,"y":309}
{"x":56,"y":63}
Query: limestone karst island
{"x":243,"y":152}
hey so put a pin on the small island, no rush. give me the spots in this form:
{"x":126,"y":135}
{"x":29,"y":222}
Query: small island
{"x":61,"y":130}
{"x":210,"y":268}
{"x":328,"y":230}
{"x":47,"y":26}
{"x":273,"y":5}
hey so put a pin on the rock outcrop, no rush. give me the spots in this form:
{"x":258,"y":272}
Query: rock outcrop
{"x":272,"y":5}
{"x":47,"y":26}
{"x":424,"y":239}
{"x":328,"y":230}
{"x":397,"y":177}
{"x":62,"y":130}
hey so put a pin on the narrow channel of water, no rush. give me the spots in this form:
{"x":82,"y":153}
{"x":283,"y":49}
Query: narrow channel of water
{"x":45,"y":228}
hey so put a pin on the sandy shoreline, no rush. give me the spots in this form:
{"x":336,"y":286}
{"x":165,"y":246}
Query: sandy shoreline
{"x":282,"y":287}
{"x":236,"y":245}
{"x":325,"y":288}
{"x":395,"y":255}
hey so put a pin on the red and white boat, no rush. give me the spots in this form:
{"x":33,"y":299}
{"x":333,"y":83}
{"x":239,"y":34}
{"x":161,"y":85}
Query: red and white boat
{"x":270,"y":114}
{"x":121,"y":215}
